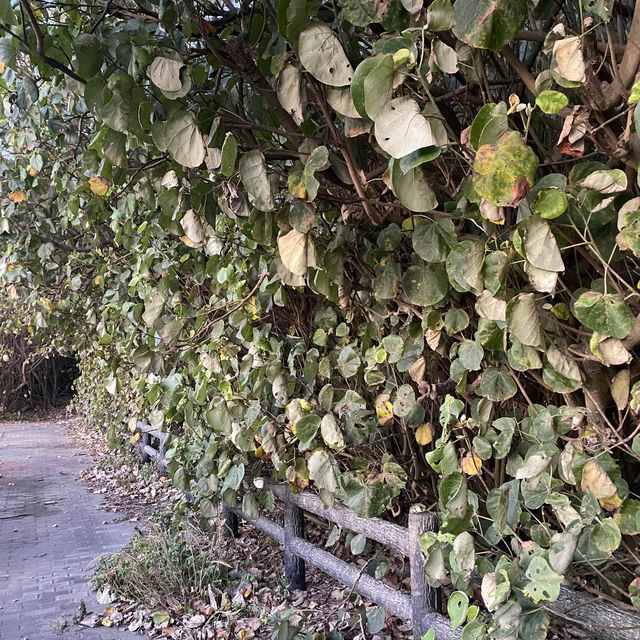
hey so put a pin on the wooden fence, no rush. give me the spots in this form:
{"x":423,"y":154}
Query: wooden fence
{"x":147,"y":451}
{"x":422,"y":607}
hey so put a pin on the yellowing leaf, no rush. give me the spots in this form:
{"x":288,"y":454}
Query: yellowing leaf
{"x":32,"y":171}
{"x":2,"y":67}
{"x":504,"y":174}
{"x":424,"y":433}
{"x":134,"y":438}
{"x":18,"y":196}
{"x":471,"y":464}
{"x":384,"y":411}
{"x":596,"y":480}
{"x":612,"y":503}
{"x":192,"y":224}
{"x":567,"y":54}
{"x":99,"y":185}
{"x":261,"y":454}
{"x":297,"y":252}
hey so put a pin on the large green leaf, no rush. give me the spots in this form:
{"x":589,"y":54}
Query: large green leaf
{"x":7,"y":15}
{"x":425,"y":285}
{"x":488,"y":24}
{"x":607,"y":314}
{"x":360,"y":13}
{"x":378,"y":87}
{"x":560,"y":371}
{"x":464,"y":266}
{"x":180,"y":136}
{"x":523,"y":320}
{"x":357,"y":84}
{"x":412,"y":188}
{"x":496,"y":385}
{"x":253,"y":172}
{"x":540,"y":246}
{"x":432,"y":240}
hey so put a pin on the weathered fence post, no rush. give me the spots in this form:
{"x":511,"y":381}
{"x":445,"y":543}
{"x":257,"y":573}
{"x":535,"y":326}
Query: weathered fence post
{"x":294,"y":570}
{"x":162,"y":449}
{"x":230,"y":528}
{"x":424,"y":599}
{"x":145,"y":441}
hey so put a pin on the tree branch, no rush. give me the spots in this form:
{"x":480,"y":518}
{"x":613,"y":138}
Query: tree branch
{"x":40,"y":45}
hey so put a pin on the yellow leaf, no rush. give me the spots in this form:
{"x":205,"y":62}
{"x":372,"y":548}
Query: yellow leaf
{"x":97,"y":279}
{"x":2,"y":66}
{"x":32,"y":171}
{"x":17,"y":196}
{"x":188,"y":242}
{"x":47,"y":304}
{"x":596,"y":480}
{"x":261,"y":454}
{"x":253,"y":309}
{"x":384,"y":411}
{"x":106,"y":622}
{"x":99,"y":185}
{"x":424,"y":433}
{"x":612,"y":503}
{"x":471,"y":464}
{"x":134,"y":438}
{"x":514,"y":101}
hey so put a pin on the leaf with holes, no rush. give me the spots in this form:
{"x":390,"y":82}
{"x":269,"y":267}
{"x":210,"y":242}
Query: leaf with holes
{"x":323,"y":57}
{"x":457,"y":608}
{"x":544,"y":581}
{"x":290,"y":93}
{"x":400,"y":128}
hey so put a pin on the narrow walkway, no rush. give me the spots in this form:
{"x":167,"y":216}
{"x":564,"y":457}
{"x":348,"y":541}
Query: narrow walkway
{"x":51,"y":533}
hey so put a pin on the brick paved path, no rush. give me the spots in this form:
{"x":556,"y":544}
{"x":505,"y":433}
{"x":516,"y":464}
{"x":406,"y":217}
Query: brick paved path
{"x":50,"y":532}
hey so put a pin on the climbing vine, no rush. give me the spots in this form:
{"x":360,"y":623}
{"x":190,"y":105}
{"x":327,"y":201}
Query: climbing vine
{"x":384,"y":248}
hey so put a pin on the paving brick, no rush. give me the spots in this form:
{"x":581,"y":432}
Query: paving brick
{"x":51,"y":530}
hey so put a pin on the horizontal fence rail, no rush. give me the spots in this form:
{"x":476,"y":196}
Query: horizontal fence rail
{"x":421,"y":607}
{"x":605,"y":621}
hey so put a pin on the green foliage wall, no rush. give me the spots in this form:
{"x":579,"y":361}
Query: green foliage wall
{"x":385,"y":249}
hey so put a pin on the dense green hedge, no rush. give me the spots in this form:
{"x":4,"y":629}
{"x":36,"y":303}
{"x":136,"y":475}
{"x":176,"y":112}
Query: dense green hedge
{"x":384,"y":248}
